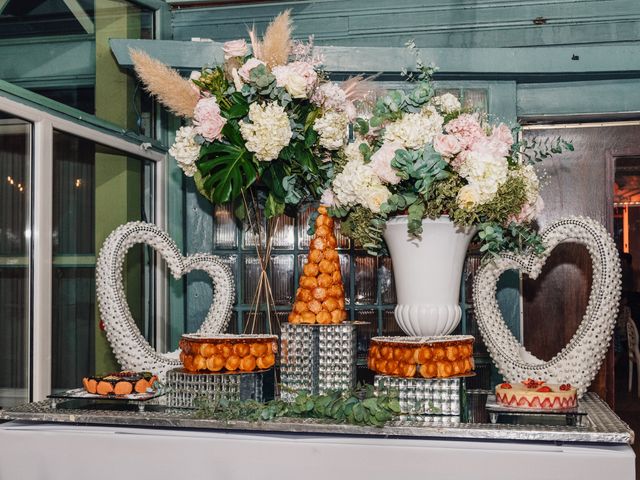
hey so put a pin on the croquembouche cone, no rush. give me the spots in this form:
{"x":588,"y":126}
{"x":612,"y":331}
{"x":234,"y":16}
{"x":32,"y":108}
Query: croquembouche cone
{"x":320,"y":296}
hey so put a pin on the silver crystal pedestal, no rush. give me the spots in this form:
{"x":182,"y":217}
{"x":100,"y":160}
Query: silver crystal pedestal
{"x":317,"y":358}
{"x":422,"y":396}
{"x":184,"y":387}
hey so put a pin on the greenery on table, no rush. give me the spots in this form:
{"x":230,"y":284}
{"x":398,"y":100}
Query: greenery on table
{"x":357,"y":407}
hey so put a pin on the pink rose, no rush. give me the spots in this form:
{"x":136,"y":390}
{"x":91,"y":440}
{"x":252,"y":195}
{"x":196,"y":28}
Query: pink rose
{"x":467,"y":129}
{"x":207,"y":119}
{"x":235,"y":48}
{"x":381,"y":162}
{"x":245,"y":70}
{"x":195,"y":75}
{"x":446,"y":145}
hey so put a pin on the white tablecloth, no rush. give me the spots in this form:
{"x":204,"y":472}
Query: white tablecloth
{"x":56,"y":451}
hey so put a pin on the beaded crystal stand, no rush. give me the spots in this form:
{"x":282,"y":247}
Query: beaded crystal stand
{"x":317,"y":358}
{"x":422,"y":396}
{"x":185,"y":387}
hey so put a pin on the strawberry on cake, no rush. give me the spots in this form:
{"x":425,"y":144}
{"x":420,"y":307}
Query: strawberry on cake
{"x":537,"y":394}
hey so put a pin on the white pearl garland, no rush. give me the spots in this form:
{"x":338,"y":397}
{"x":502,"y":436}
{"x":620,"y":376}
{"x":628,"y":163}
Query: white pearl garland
{"x":579,"y":361}
{"x":131,"y":349}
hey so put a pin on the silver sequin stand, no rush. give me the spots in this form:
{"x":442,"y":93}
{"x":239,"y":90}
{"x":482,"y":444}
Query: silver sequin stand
{"x":317,"y":358}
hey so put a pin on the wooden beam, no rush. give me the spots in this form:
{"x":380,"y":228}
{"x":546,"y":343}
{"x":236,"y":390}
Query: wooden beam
{"x":82,"y":17}
{"x":3,"y":4}
{"x":59,"y":60}
{"x":536,"y":63}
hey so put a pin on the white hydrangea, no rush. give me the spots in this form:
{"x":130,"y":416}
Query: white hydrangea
{"x":186,"y":150}
{"x":486,"y":172}
{"x":358,"y":184}
{"x":269,"y":131}
{"x":333,"y":128}
{"x":531,"y":181}
{"x":352,"y":151}
{"x":414,"y":130}
{"x":447,"y":102}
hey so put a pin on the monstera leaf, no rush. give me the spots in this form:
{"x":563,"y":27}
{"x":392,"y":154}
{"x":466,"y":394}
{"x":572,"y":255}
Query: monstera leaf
{"x":226,"y":169}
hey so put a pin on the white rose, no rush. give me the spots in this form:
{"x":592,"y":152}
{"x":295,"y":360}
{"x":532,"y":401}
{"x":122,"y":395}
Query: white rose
{"x":468,"y":197}
{"x":376,"y":196}
{"x":296,"y":86}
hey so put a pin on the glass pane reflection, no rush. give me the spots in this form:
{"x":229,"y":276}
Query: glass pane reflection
{"x":15,"y":161}
{"x":95,"y":189}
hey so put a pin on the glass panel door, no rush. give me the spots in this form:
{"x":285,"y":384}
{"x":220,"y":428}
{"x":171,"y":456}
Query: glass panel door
{"x":15,"y":228}
{"x":95,"y":189}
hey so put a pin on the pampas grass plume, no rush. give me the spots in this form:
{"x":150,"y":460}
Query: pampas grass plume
{"x":165,"y":83}
{"x":276,"y":44}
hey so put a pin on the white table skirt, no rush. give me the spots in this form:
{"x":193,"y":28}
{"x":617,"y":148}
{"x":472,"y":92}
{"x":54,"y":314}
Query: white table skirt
{"x":54,"y":451}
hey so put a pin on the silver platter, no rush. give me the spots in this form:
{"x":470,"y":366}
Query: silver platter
{"x":602,"y":424}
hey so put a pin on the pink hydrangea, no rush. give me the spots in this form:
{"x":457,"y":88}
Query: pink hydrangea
{"x":467,"y":129}
{"x":492,"y":145}
{"x":207,"y":119}
{"x":381,"y":162}
{"x":446,"y":145}
{"x":245,"y":70}
{"x":502,"y":133}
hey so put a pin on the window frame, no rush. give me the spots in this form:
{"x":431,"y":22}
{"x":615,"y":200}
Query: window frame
{"x":41,"y":264}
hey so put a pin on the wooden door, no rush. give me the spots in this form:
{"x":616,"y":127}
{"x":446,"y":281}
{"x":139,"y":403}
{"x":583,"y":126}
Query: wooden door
{"x":576,"y":183}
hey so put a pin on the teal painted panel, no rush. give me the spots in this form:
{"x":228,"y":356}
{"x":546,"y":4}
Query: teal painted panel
{"x":540,"y":63}
{"x":58,"y":61}
{"x":578,"y":98}
{"x":447,"y":23}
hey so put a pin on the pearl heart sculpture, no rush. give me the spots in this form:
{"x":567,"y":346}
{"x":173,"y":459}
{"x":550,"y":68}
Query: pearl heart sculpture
{"x":578,"y":362}
{"x":131,"y":349}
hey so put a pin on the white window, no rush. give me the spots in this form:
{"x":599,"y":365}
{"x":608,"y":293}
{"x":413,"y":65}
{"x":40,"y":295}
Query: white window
{"x":65,"y":184}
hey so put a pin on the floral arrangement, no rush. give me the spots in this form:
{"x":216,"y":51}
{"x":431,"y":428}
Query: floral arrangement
{"x":268,"y":116}
{"x":265,"y":117}
{"x":425,"y":156}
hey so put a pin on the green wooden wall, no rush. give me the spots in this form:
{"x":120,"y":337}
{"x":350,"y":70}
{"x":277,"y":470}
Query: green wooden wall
{"x":442,"y":23}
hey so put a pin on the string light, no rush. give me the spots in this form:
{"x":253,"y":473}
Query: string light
{"x":78,"y":182}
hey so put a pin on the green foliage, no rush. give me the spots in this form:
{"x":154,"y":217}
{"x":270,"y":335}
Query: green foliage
{"x":358,"y":407}
{"x":537,"y":150}
{"x":516,"y":238}
{"x":215,"y":82}
{"x":226,"y":169}
{"x":507,"y":202}
{"x":424,"y":166}
{"x":363,"y":226}
{"x":442,"y":198}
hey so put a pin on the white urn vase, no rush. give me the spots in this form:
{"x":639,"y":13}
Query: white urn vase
{"x":427,"y":272}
